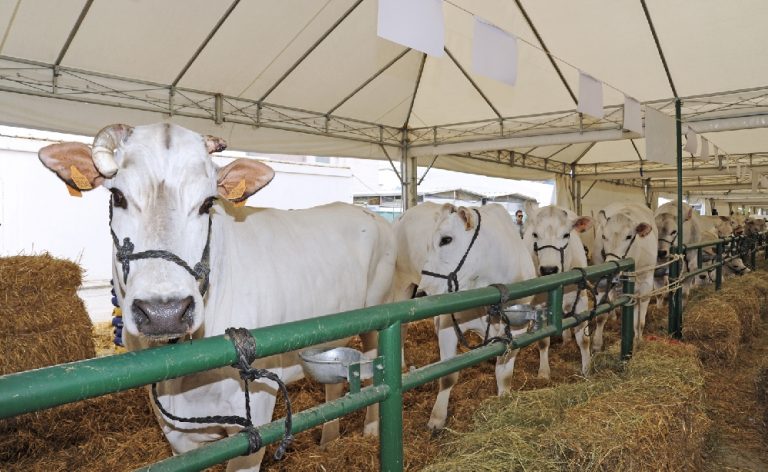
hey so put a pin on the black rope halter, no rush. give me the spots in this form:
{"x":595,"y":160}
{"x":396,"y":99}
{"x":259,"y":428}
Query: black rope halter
{"x":606,"y":254}
{"x":452,"y":277}
{"x":561,"y":250}
{"x":124,"y":255}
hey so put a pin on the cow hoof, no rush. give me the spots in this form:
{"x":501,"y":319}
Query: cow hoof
{"x":435,"y":425}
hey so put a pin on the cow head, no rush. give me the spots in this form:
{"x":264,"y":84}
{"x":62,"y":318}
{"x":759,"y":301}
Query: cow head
{"x":619,"y":233}
{"x":548,"y":235}
{"x":163,"y":187}
{"x":723,"y":227}
{"x":454,"y":248}
{"x":666,"y":223}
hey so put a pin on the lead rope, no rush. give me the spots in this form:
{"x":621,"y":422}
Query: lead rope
{"x":245,"y":346}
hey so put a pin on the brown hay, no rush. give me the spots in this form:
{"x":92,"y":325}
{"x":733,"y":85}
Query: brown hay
{"x":646,"y":418}
{"x":746,"y":303}
{"x":713,"y":326}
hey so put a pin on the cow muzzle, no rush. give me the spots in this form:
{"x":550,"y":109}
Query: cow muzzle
{"x":163,"y":319}
{"x":549,"y":270}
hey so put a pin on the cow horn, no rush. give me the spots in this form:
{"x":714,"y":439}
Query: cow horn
{"x":104,"y":145}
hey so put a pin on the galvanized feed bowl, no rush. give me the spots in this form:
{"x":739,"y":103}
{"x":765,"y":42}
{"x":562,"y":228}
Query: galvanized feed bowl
{"x":519,"y":315}
{"x":331,"y":366}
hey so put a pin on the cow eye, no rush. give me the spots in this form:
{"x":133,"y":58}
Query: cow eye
{"x":567,"y":235}
{"x":629,"y":237}
{"x":206,"y":206}
{"x":445,"y":240}
{"x":536,"y":235}
{"x":604,"y":237}
{"x":673,"y":233}
{"x":118,"y":199}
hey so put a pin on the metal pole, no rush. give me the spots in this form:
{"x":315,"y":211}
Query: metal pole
{"x":676,"y":300}
{"x":627,"y":320}
{"x":555,"y":304}
{"x":391,"y":409}
{"x":408,"y":169}
{"x":719,"y":266}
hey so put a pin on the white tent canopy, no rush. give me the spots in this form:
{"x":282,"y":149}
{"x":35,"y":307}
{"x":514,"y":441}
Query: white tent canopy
{"x":312,"y":77}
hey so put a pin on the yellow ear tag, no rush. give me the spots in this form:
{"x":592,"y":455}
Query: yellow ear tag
{"x":237,"y":192}
{"x":239,"y":204}
{"x":79,"y":179}
{"x":73,"y":191}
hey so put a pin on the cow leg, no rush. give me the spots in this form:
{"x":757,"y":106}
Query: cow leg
{"x":250,"y":463}
{"x":581,"y":340}
{"x":370,"y":349}
{"x":597,"y":336}
{"x":505,"y":367}
{"x":567,"y":336}
{"x":331,"y":428}
{"x":543,"y":359}
{"x":447,"y":339}
{"x":641,"y":309}
{"x":263,"y":404}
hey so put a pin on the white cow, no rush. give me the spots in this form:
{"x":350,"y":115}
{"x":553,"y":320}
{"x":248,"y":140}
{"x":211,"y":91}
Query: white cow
{"x":628,"y":230}
{"x":267,"y":266}
{"x":472,"y":248}
{"x":552,"y":238}
{"x":693,"y":228}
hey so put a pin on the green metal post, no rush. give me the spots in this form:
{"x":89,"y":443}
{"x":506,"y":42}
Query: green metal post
{"x":719,"y":266}
{"x":627,"y":321}
{"x":391,"y":409}
{"x":555,"y":305}
{"x":676,"y":299}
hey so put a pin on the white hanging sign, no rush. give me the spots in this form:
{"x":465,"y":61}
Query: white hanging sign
{"x":590,"y":96}
{"x":691,"y":141}
{"x":633,"y":115}
{"x":418,"y":24}
{"x":494,"y":53}
{"x":660,"y":137}
{"x":704,"y":149}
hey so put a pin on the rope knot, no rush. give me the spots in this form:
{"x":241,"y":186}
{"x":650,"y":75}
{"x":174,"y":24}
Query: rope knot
{"x":125,"y":250}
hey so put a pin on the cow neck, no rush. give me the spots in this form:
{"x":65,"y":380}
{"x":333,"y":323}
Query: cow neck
{"x":452,"y":278}
{"x":124,"y":254}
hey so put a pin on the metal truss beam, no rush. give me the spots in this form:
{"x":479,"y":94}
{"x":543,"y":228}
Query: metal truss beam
{"x":49,"y":81}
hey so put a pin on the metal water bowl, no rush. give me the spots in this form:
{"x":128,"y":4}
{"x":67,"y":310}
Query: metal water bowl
{"x":331,"y":365}
{"x":522,"y":314}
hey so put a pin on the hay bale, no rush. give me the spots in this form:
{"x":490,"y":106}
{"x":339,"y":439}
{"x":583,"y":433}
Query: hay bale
{"x":613,"y":421}
{"x":42,"y":323}
{"x":713,"y":326}
{"x":746,"y":302}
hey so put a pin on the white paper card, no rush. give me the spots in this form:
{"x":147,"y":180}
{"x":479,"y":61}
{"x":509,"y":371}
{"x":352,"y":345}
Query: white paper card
{"x":691,"y":141}
{"x":494,"y":53}
{"x":660,"y":137}
{"x":704,"y":149}
{"x":590,"y":96}
{"x":418,"y":24}
{"x":633,"y":115}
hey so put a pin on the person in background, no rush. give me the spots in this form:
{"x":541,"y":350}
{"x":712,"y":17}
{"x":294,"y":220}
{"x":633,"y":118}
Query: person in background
{"x":519,"y":221}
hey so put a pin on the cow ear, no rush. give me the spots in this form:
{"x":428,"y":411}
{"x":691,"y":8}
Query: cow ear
{"x":73,"y":163}
{"x":241,"y":178}
{"x":531,"y":208}
{"x":689,"y":213}
{"x":601,"y":218}
{"x":582,"y":223}
{"x":643,"y":229}
{"x":466,"y":215}
{"x":214,"y":144}
{"x":447,"y":208}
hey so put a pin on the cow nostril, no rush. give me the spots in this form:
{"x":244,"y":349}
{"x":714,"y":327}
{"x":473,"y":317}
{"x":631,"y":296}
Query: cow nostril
{"x":141,"y":312}
{"x":662,"y":253}
{"x":549,"y":270}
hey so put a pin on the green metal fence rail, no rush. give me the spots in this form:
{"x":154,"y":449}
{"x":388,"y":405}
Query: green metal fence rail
{"x":48,"y":387}
{"x":727,"y":249}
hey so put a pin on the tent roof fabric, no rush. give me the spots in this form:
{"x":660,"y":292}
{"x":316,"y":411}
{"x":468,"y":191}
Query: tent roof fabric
{"x":312,"y":77}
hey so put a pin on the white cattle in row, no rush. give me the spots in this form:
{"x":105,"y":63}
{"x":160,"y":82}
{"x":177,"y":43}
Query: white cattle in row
{"x":552,"y":238}
{"x":719,"y":227}
{"x":471,"y":248}
{"x":627,"y":230}
{"x":666,"y":223}
{"x":267,"y":266}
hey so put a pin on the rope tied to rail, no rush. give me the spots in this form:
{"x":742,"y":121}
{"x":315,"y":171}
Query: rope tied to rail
{"x":245,"y":346}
